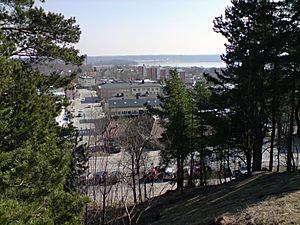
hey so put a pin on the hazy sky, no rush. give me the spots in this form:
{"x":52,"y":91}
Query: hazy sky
{"x":123,"y":27}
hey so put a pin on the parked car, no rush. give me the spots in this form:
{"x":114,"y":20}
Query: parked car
{"x":153,"y":175}
{"x":114,"y":148}
{"x":168,"y":173}
{"x":80,"y":113}
{"x":242,"y":172}
{"x":114,"y":177}
{"x":94,"y":148}
{"x":98,"y":178}
{"x":168,"y":176}
{"x":84,"y":178}
{"x":227,"y":172}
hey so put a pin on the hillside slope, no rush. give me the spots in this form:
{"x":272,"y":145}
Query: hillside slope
{"x":261,"y":199}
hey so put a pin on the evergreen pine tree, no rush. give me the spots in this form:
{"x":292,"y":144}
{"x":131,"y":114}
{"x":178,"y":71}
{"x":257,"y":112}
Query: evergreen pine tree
{"x":176,"y":114}
{"x":35,"y":157}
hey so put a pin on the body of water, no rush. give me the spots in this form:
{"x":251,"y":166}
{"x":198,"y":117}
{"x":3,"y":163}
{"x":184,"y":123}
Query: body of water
{"x":218,"y":64}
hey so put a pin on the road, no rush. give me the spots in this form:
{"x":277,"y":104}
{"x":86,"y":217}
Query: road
{"x":86,"y":104}
{"x":85,"y":108}
{"x":122,"y":192}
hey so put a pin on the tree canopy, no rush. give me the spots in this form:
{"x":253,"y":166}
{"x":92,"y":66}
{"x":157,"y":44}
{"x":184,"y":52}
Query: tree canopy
{"x":261,"y":62}
{"x":34,"y":156}
{"x":176,"y":113}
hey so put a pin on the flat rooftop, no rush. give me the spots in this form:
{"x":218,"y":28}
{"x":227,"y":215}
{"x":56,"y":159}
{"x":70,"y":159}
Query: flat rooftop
{"x":125,"y":103}
{"x":128,"y":85}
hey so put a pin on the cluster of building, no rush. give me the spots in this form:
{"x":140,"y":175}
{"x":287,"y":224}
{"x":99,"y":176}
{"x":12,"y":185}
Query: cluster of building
{"x":121,"y":98}
{"x":128,"y":99}
{"x":157,"y":72}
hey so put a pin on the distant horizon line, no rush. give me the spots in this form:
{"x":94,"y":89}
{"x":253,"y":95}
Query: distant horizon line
{"x":150,"y":54}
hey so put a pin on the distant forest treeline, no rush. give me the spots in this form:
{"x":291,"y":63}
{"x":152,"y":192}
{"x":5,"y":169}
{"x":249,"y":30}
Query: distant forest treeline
{"x":133,"y":59}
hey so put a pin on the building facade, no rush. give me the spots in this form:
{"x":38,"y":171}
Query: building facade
{"x":86,"y":81}
{"x":129,"y":107}
{"x":128,"y":90}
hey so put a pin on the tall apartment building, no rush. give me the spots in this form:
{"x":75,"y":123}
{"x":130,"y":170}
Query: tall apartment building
{"x":154,"y":73}
{"x":182,"y":74}
{"x":158,"y":73}
{"x":164,"y":74}
{"x":142,"y":70}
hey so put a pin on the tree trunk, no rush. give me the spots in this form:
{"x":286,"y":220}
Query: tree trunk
{"x":182,"y":173}
{"x":139,"y":182}
{"x":133,"y":179}
{"x":220,"y":171}
{"x":248,"y":159}
{"x":297,"y":117}
{"x":179,"y":172}
{"x":291,"y":129}
{"x":202,"y":166}
{"x":272,"y":141}
{"x":145,"y":191}
{"x":278,"y":141}
{"x":257,"y":151}
{"x":138,"y":157}
{"x":103,"y":205}
{"x":204,"y":174}
{"x":190,"y":184}
{"x":228,"y":162}
{"x":274,"y":113}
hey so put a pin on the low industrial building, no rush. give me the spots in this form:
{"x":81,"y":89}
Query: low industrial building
{"x":129,"y":107}
{"x":129,"y":90}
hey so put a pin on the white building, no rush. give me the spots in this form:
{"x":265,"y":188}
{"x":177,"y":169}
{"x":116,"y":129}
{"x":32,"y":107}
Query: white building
{"x":86,"y":81}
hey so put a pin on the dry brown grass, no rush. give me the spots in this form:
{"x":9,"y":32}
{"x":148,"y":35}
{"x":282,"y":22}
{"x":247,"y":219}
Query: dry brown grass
{"x":283,"y":210}
{"x":261,"y":199}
